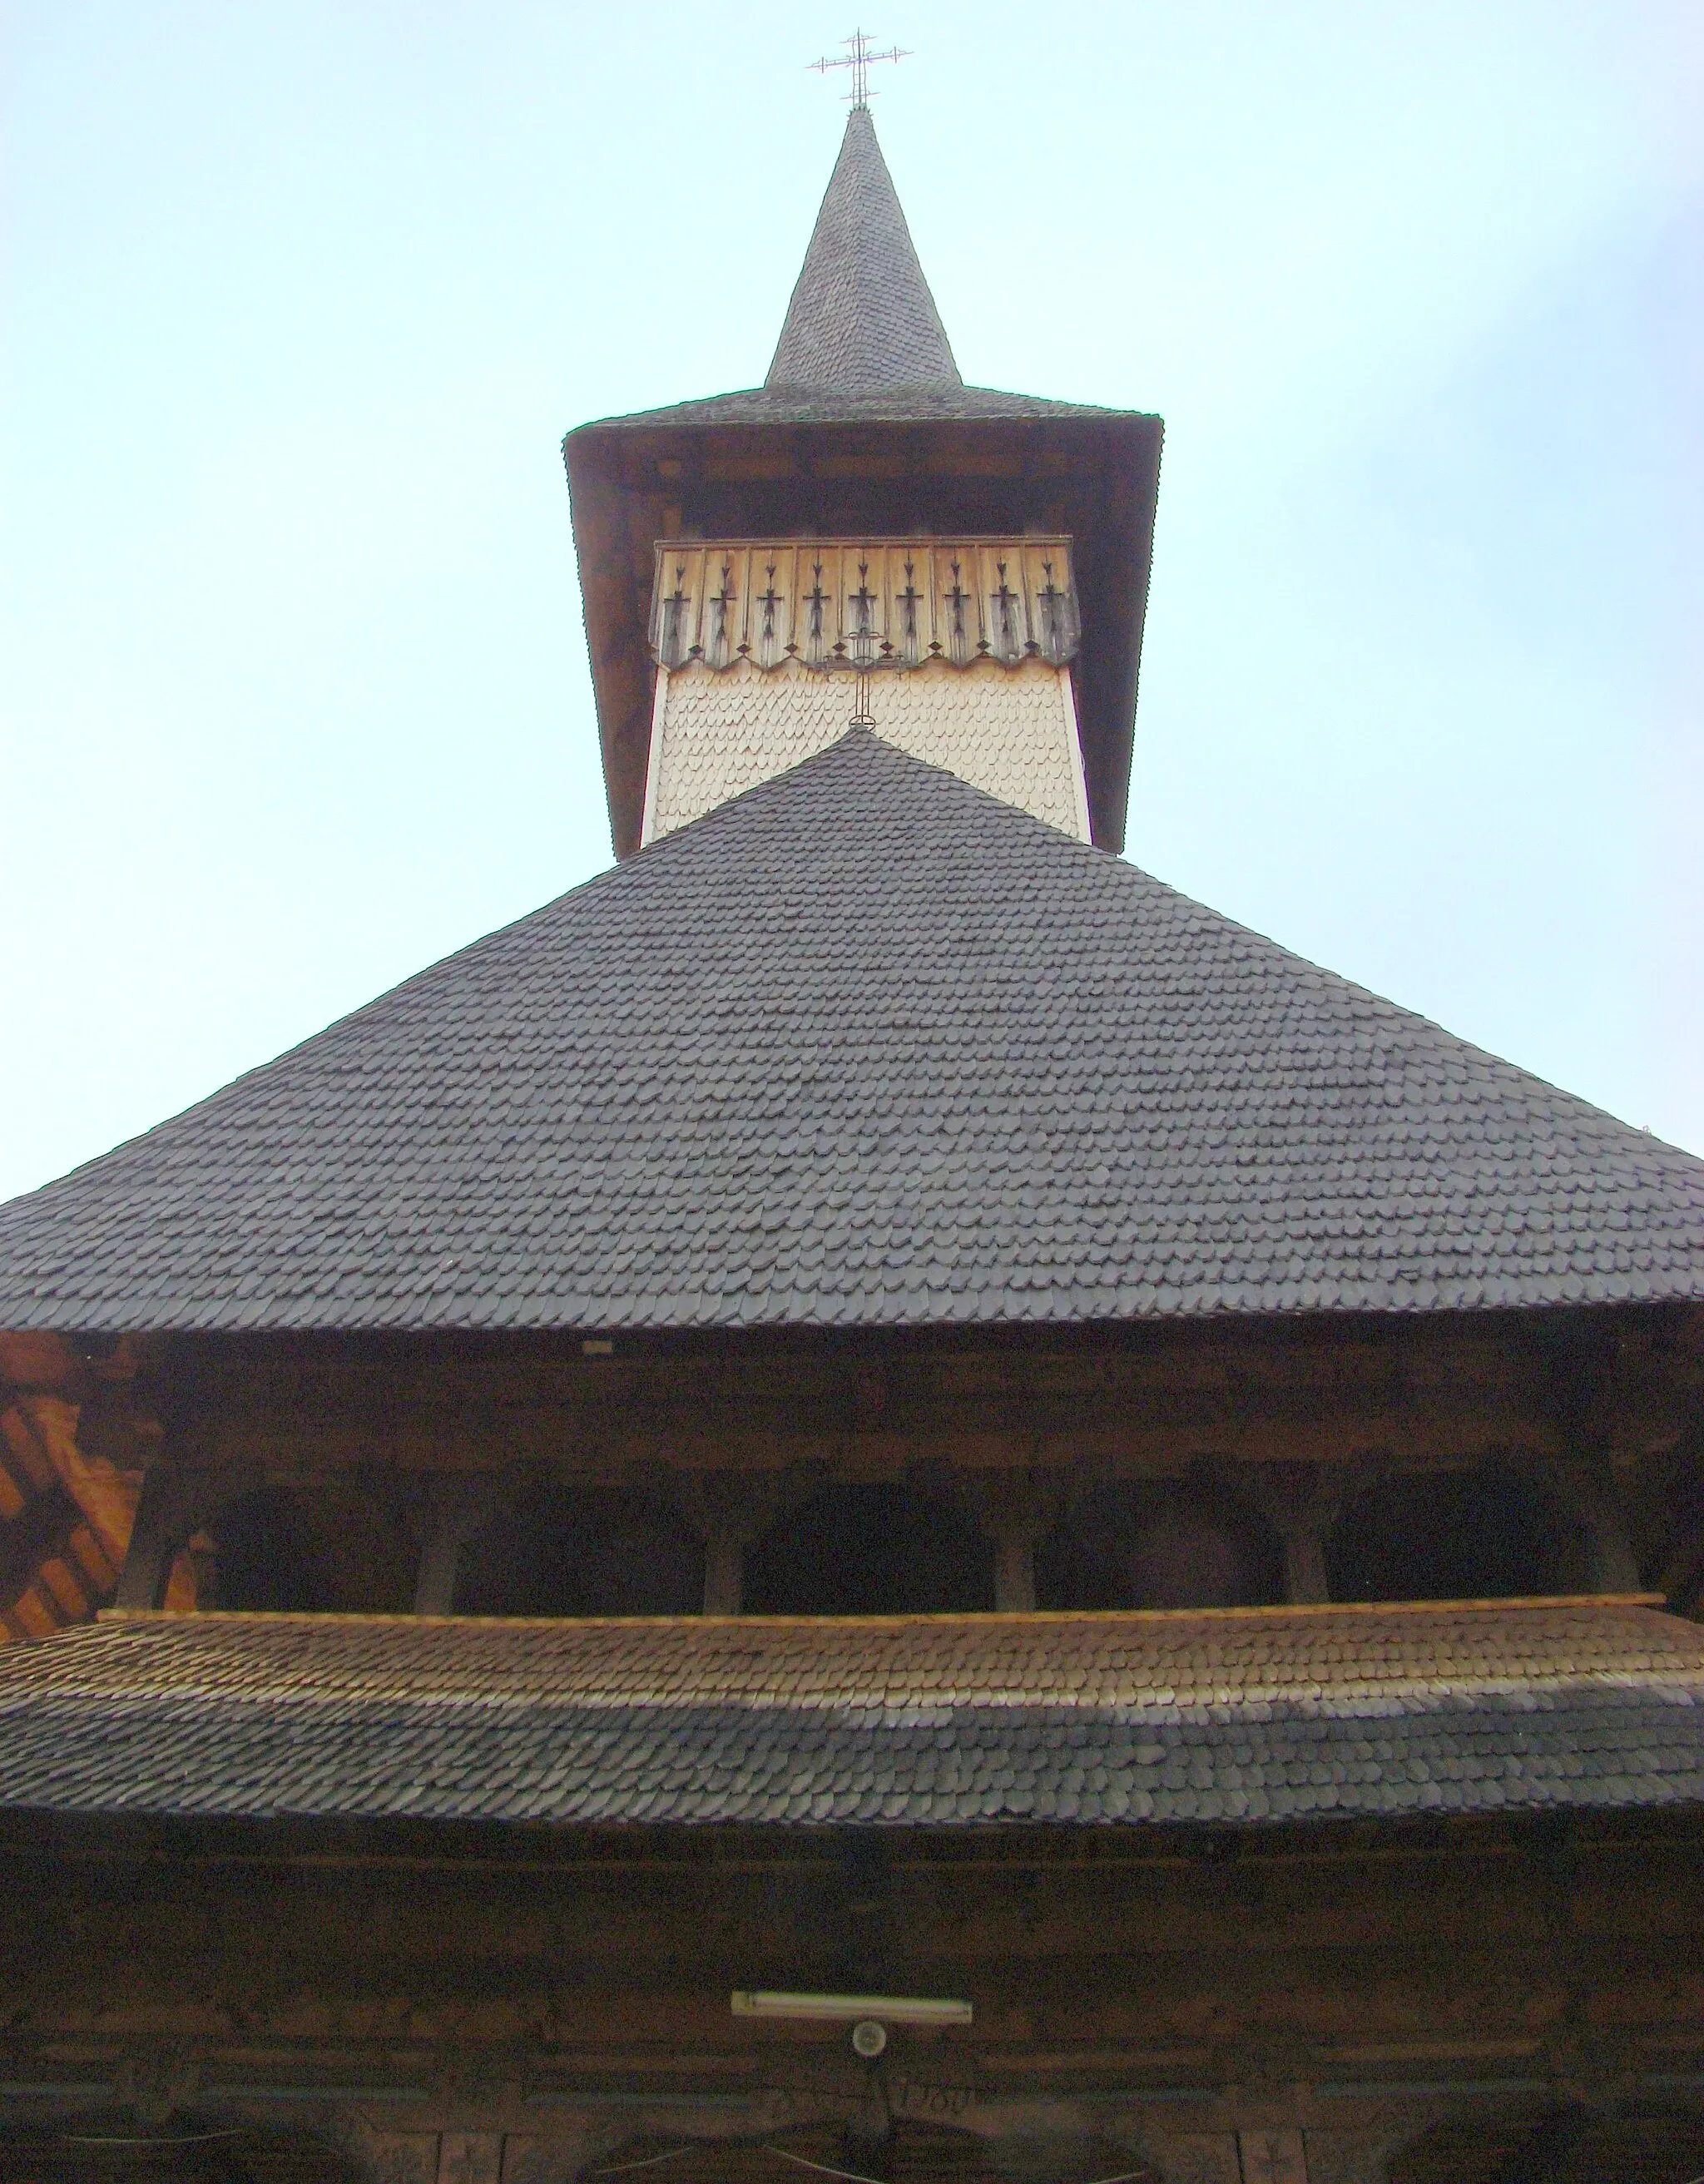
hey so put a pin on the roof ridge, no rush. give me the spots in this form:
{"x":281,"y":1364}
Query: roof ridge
{"x":927,"y":402}
{"x":861,"y":317}
{"x":1026,"y":1618}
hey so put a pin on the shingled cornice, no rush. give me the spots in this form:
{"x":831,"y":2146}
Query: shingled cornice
{"x":861,"y":1048}
{"x":944,"y":402}
{"x":861,"y":318}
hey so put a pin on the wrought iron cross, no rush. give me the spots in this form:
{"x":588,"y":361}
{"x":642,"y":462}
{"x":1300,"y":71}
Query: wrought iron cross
{"x":858,"y":58}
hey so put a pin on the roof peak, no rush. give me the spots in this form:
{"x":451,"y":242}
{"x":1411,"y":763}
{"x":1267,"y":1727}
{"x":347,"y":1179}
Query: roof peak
{"x":861,"y":318}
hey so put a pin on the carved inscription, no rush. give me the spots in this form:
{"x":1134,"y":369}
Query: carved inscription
{"x":908,"y":2097}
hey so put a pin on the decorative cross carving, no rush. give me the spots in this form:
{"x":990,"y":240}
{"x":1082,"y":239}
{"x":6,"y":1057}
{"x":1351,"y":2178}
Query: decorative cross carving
{"x":863,"y":622}
{"x":1052,"y":601}
{"x":674,"y":614}
{"x":1004,"y":598}
{"x":908,"y":600}
{"x":722,"y":600}
{"x":955,"y":599}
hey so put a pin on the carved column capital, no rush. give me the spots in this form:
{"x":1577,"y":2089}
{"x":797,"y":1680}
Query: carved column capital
{"x":729,"y":1510}
{"x":1301,"y":1502}
{"x":1016,"y":1507}
{"x":455,"y":1505}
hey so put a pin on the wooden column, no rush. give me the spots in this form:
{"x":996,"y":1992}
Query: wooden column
{"x":1300,"y":1502}
{"x":724,"y":1571}
{"x":456,"y":1508}
{"x":1016,"y":1508}
{"x":1304,"y":1582}
{"x":164,"y":1520}
{"x":1589,"y":1490}
{"x":1015,"y":1572}
{"x":729,"y":1510}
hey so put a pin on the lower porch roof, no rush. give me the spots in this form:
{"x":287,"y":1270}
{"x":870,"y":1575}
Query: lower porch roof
{"x":1231,"y":1716}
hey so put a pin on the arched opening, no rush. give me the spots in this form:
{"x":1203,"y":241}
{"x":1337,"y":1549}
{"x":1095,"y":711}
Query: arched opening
{"x":341,"y":1548}
{"x":1489,"y":1533}
{"x":263,"y":1558}
{"x":566,"y":1549}
{"x":1160,"y":1544}
{"x":870,"y":1550}
{"x":119,"y":2147}
{"x":1570,"y":2146}
{"x":895,"y":2152}
{"x":1673,"y":1560}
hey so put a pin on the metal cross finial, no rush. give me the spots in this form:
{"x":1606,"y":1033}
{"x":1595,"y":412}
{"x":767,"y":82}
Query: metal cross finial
{"x":858,"y":58}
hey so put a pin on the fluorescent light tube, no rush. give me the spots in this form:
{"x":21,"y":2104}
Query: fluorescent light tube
{"x":844,"y":2009}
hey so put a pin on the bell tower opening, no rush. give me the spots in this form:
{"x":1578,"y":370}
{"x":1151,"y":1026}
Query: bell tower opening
{"x":866,"y":541}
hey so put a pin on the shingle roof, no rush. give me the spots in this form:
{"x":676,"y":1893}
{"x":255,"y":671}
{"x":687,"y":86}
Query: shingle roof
{"x":1242,"y":1715}
{"x":863,"y":343}
{"x":828,"y":405}
{"x":862,"y":1047}
{"x":861,"y":315}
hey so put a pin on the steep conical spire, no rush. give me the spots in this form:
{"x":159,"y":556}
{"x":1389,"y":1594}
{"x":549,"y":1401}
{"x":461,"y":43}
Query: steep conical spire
{"x":861,"y":317}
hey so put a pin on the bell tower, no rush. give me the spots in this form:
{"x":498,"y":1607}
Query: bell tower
{"x":864,"y":541}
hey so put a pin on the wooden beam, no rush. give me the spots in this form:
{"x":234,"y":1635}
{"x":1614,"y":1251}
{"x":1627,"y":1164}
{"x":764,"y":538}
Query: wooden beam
{"x":38,"y":1361}
{"x":41,"y":1530}
{"x":165,"y":1519}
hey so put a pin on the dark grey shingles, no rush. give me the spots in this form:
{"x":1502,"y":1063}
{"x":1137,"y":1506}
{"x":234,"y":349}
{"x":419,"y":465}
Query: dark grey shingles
{"x":863,"y":342}
{"x":889,"y":405}
{"x":861,"y":317}
{"x":1281,"y":1715}
{"x":862,"y":1047}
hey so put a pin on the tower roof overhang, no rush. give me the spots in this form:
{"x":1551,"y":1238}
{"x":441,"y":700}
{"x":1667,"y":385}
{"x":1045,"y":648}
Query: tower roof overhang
{"x":779,"y":461}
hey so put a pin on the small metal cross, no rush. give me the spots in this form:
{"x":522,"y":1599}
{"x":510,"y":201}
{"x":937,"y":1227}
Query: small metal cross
{"x":858,"y":58}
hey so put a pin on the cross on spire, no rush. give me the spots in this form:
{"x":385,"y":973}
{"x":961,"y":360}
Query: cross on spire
{"x":858,"y":58}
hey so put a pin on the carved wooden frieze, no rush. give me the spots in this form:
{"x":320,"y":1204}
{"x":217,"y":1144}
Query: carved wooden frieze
{"x":863,"y":605}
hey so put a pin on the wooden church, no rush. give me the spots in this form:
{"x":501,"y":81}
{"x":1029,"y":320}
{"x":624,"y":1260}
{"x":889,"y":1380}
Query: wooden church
{"x":872,"y":1501}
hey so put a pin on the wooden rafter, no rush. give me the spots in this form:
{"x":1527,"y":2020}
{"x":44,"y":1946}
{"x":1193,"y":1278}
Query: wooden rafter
{"x":39,"y":1531}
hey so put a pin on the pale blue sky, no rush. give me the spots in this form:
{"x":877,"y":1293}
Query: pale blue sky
{"x":300,"y":299}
